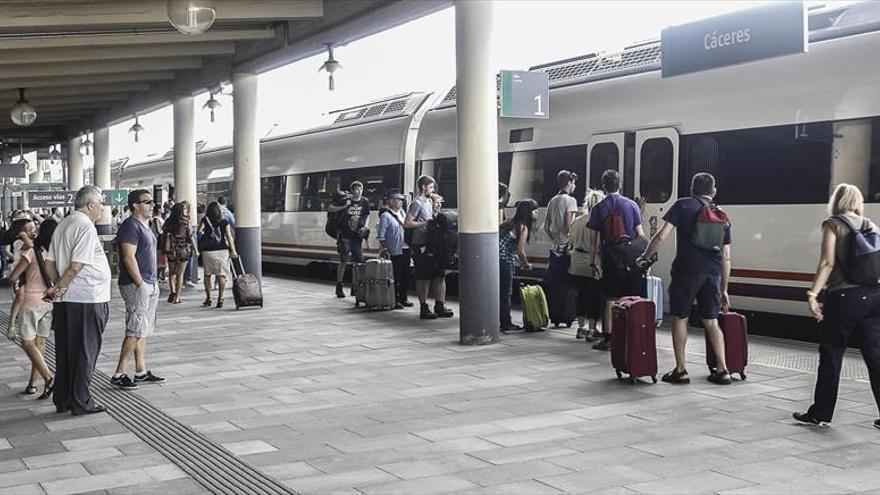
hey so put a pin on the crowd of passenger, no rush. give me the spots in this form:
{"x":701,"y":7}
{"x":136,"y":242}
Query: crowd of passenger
{"x":61,"y":276}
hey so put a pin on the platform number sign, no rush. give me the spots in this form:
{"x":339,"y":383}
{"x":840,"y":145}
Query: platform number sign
{"x":525,"y":95}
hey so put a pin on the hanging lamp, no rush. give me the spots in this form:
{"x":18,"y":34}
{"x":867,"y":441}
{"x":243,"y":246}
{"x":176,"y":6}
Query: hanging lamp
{"x":23,"y":113}
{"x":212,"y":104}
{"x":136,"y":128}
{"x":331,"y":65}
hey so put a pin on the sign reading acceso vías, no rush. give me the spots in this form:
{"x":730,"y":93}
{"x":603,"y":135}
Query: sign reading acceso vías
{"x":53,"y":199}
{"x":764,"y":32}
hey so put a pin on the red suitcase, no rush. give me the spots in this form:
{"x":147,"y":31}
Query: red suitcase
{"x":633,"y":346}
{"x":736,"y":344}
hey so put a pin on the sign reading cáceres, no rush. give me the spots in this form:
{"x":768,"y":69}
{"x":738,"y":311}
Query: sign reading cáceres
{"x":755,"y":34}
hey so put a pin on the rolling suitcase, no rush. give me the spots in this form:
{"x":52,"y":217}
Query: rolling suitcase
{"x":246,"y":289}
{"x":736,"y":344}
{"x":562,"y":304}
{"x":654,"y":292}
{"x":359,"y":283}
{"x":534,"y":306}
{"x":380,"y":284}
{"x":633,"y":347}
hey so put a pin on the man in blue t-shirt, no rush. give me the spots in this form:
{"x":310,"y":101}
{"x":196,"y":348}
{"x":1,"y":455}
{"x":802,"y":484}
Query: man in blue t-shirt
{"x":139,"y":287}
{"x":615,"y":282}
{"x":697,"y":273}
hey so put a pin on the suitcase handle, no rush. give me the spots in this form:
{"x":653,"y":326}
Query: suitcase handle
{"x":237,"y":273}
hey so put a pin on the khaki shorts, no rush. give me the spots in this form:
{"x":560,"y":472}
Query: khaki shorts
{"x":140,"y":308}
{"x":216,"y":263}
{"x":36,"y":321}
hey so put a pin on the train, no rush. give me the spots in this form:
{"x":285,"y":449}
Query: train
{"x":777,"y":134}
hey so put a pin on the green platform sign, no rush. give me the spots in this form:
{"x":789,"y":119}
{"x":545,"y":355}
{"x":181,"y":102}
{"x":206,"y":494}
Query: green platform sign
{"x":116,"y":197}
{"x":57,"y":199}
{"x":525,"y":95}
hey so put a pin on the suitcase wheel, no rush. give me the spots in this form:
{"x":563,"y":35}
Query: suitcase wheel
{"x":569,"y":324}
{"x":742,"y":375}
{"x":556,"y":324}
{"x":619,"y":374}
{"x":654,"y":378}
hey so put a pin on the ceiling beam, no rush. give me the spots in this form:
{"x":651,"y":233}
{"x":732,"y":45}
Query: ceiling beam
{"x":45,"y":102}
{"x":66,"y":70}
{"x":165,"y":36}
{"x":88,"y":89}
{"x":84,"y":14}
{"x":143,"y":76}
{"x":51,"y":55}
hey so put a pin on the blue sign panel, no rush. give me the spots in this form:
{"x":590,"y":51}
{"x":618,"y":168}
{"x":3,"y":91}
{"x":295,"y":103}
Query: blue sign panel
{"x":764,"y":32}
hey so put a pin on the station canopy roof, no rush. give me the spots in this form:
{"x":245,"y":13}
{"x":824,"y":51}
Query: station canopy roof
{"x":86,"y":63}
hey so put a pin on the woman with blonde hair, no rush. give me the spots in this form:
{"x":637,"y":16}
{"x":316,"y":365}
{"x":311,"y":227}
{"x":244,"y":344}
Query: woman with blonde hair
{"x":849,"y":272}
{"x":584,"y":279}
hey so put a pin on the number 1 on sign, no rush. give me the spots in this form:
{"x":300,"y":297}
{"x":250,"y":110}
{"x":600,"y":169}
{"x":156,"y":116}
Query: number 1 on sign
{"x":539,"y":111}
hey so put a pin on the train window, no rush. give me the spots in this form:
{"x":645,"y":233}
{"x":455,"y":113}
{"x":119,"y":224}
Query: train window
{"x":445,"y":172}
{"x":856,"y":156}
{"x":788,"y":164}
{"x":312,"y":192}
{"x":533,"y":173}
{"x":629,"y":165}
{"x":603,"y":156}
{"x":522,"y":135}
{"x":655,"y":177}
{"x":211,"y":191}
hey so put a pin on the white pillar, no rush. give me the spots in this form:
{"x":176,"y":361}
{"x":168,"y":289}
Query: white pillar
{"x":476,"y":116}
{"x":185,"y":153}
{"x":102,"y":174}
{"x":246,"y":161}
{"x":74,"y":164}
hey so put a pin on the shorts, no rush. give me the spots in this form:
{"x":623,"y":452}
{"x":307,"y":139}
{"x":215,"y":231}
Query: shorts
{"x":617,"y":283}
{"x":704,"y":287}
{"x":425,"y":265}
{"x":216,"y":263}
{"x":36,"y":321}
{"x":140,"y":308}
{"x":350,"y":249}
{"x":589,"y":302}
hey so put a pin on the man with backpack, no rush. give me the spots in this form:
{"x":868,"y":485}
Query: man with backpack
{"x":351,"y":231}
{"x":700,"y":271}
{"x":390,"y":236}
{"x":618,"y":220}
{"x":427,"y":271}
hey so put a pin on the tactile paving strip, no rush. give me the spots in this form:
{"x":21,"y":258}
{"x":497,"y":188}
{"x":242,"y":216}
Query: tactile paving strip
{"x":215,"y":468}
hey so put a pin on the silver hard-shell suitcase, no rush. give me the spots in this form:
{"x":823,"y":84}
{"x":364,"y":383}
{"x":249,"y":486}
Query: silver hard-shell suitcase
{"x":380,"y":284}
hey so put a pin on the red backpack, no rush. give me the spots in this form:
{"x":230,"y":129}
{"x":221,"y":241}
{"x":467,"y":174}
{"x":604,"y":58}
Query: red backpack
{"x":709,"y":228}
{"x":613,"y":228}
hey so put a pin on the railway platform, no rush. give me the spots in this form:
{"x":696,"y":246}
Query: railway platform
{"x":310,"y":395}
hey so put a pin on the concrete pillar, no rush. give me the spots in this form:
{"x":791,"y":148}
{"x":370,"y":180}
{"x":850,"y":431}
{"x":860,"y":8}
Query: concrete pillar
{"x":185,"y":163}
{"x":246,"y":161}
{"x":74,"y":164}
{"x":477,"y":174}
{"x":102,"y":175}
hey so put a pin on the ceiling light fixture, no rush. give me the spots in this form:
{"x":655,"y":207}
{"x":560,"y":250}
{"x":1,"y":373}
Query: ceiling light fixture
{"x":23,"y":113}
{"x":331,"y":65}
{"x":136,"y":128}
{"x":212,"y":104}
{"x":54,"y":153}
{"x":86,"y":147}
{"x":191,"y":16}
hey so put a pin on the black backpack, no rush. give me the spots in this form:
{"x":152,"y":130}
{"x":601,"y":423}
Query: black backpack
{"x":441,"y":239}
{"x":334,"y":220}
{"x":862,"y":265}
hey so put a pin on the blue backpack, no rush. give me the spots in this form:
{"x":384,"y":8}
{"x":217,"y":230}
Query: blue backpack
{"x":863,"y":254}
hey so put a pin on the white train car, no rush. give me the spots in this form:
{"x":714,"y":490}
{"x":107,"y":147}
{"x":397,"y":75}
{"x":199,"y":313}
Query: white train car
{"x":777,"y":134}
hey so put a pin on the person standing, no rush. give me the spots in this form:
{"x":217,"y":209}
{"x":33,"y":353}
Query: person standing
{"x":852,"y":304}
{"x":583,"y":278}
{"x":79,"y":269}
{"x":217,"y":244}
{"x":350,"y":240}
{"x":513,"y":236}
{"x":227,"y":214}
{"x":139,"y":287}
{"x":428,"y":274}
{"x":561,"y":210}
{"x":390,"y":235}
{"x":156,"y":224}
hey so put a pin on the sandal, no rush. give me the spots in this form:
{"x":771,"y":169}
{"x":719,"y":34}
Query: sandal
{"x":219,"y":303}
{"x":30,"y":390}
{"x":171,"y":298}
{"x":720,"y":378}
{"x":677,"y":377}
{"x":207,"y":303}
{"x":47,"y":392}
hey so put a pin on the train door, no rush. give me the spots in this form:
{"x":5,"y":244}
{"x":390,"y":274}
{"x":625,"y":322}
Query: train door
{"x":656,"y":173}
{"x":604,"y":152}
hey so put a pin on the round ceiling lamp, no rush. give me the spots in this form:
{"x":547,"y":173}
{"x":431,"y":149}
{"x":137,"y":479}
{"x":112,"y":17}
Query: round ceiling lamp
{"x":191,"y":16}
{"x":212,"y":104}
{"x":136,"y":128}
{"x":23,"y":113}
{"x":86,"y":147}
{"x":54,"y":154}
{"x":331,"y":65}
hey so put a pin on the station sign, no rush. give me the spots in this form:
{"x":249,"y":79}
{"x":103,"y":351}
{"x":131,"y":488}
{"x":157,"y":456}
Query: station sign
{"x":755,"y":34}
{"x":525,"y":95}
{"x":58,"y":199}
{"x":13,"y":171}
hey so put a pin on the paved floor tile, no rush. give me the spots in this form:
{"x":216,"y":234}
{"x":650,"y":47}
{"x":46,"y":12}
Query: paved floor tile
{"x":420,"y":486}
{"x":75,"y":456}
{"x":703,"y":483}
{"x":97,"y":482}
{"x":597,"y":478}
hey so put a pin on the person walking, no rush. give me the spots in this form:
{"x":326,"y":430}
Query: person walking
{"x":179,"y":246}
{"x":156,"y":224}
{"x":390,"y":235}
{"x":583,"y":278}
{"x":352,"y":231}
{"x":217,"y":245}
{"x":428,"y":274}
{"x":139,"y":287}
{"x":698,"y":274}
{"x":513,"y":236}
{"x":79,"y":269}
{"x":35,"y":314}
{"x":852,"y":302}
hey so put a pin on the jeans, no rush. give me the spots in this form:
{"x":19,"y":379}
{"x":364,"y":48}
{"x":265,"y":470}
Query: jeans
{"x":847,"y":311}
{"x":506,"y":277}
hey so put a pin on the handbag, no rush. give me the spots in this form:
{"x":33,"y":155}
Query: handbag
{"x":211,"y":241}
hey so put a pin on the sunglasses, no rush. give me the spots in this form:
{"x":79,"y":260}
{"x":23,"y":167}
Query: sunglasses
{"x":145,"y":202}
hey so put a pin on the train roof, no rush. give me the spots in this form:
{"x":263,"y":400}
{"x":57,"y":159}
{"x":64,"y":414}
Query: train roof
{"x":824,"y":23}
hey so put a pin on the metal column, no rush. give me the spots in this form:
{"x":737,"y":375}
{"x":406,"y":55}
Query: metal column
{"x":102,"y":175}
{"x":477,"y":173}
{"x":246,"y":149}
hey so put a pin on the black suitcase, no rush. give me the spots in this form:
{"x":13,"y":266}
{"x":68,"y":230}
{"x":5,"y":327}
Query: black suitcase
{"x":562,"y":304}
{"x":246,"y":289}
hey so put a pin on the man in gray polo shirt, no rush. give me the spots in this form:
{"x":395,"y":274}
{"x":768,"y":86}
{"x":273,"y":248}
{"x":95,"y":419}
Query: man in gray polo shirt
{"x":139,"y":287}
{"x":81,"y":292}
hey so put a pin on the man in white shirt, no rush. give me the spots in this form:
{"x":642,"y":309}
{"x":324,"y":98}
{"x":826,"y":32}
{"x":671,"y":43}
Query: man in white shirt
{"x":81,"y":292}
{"x":561,"y":210}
